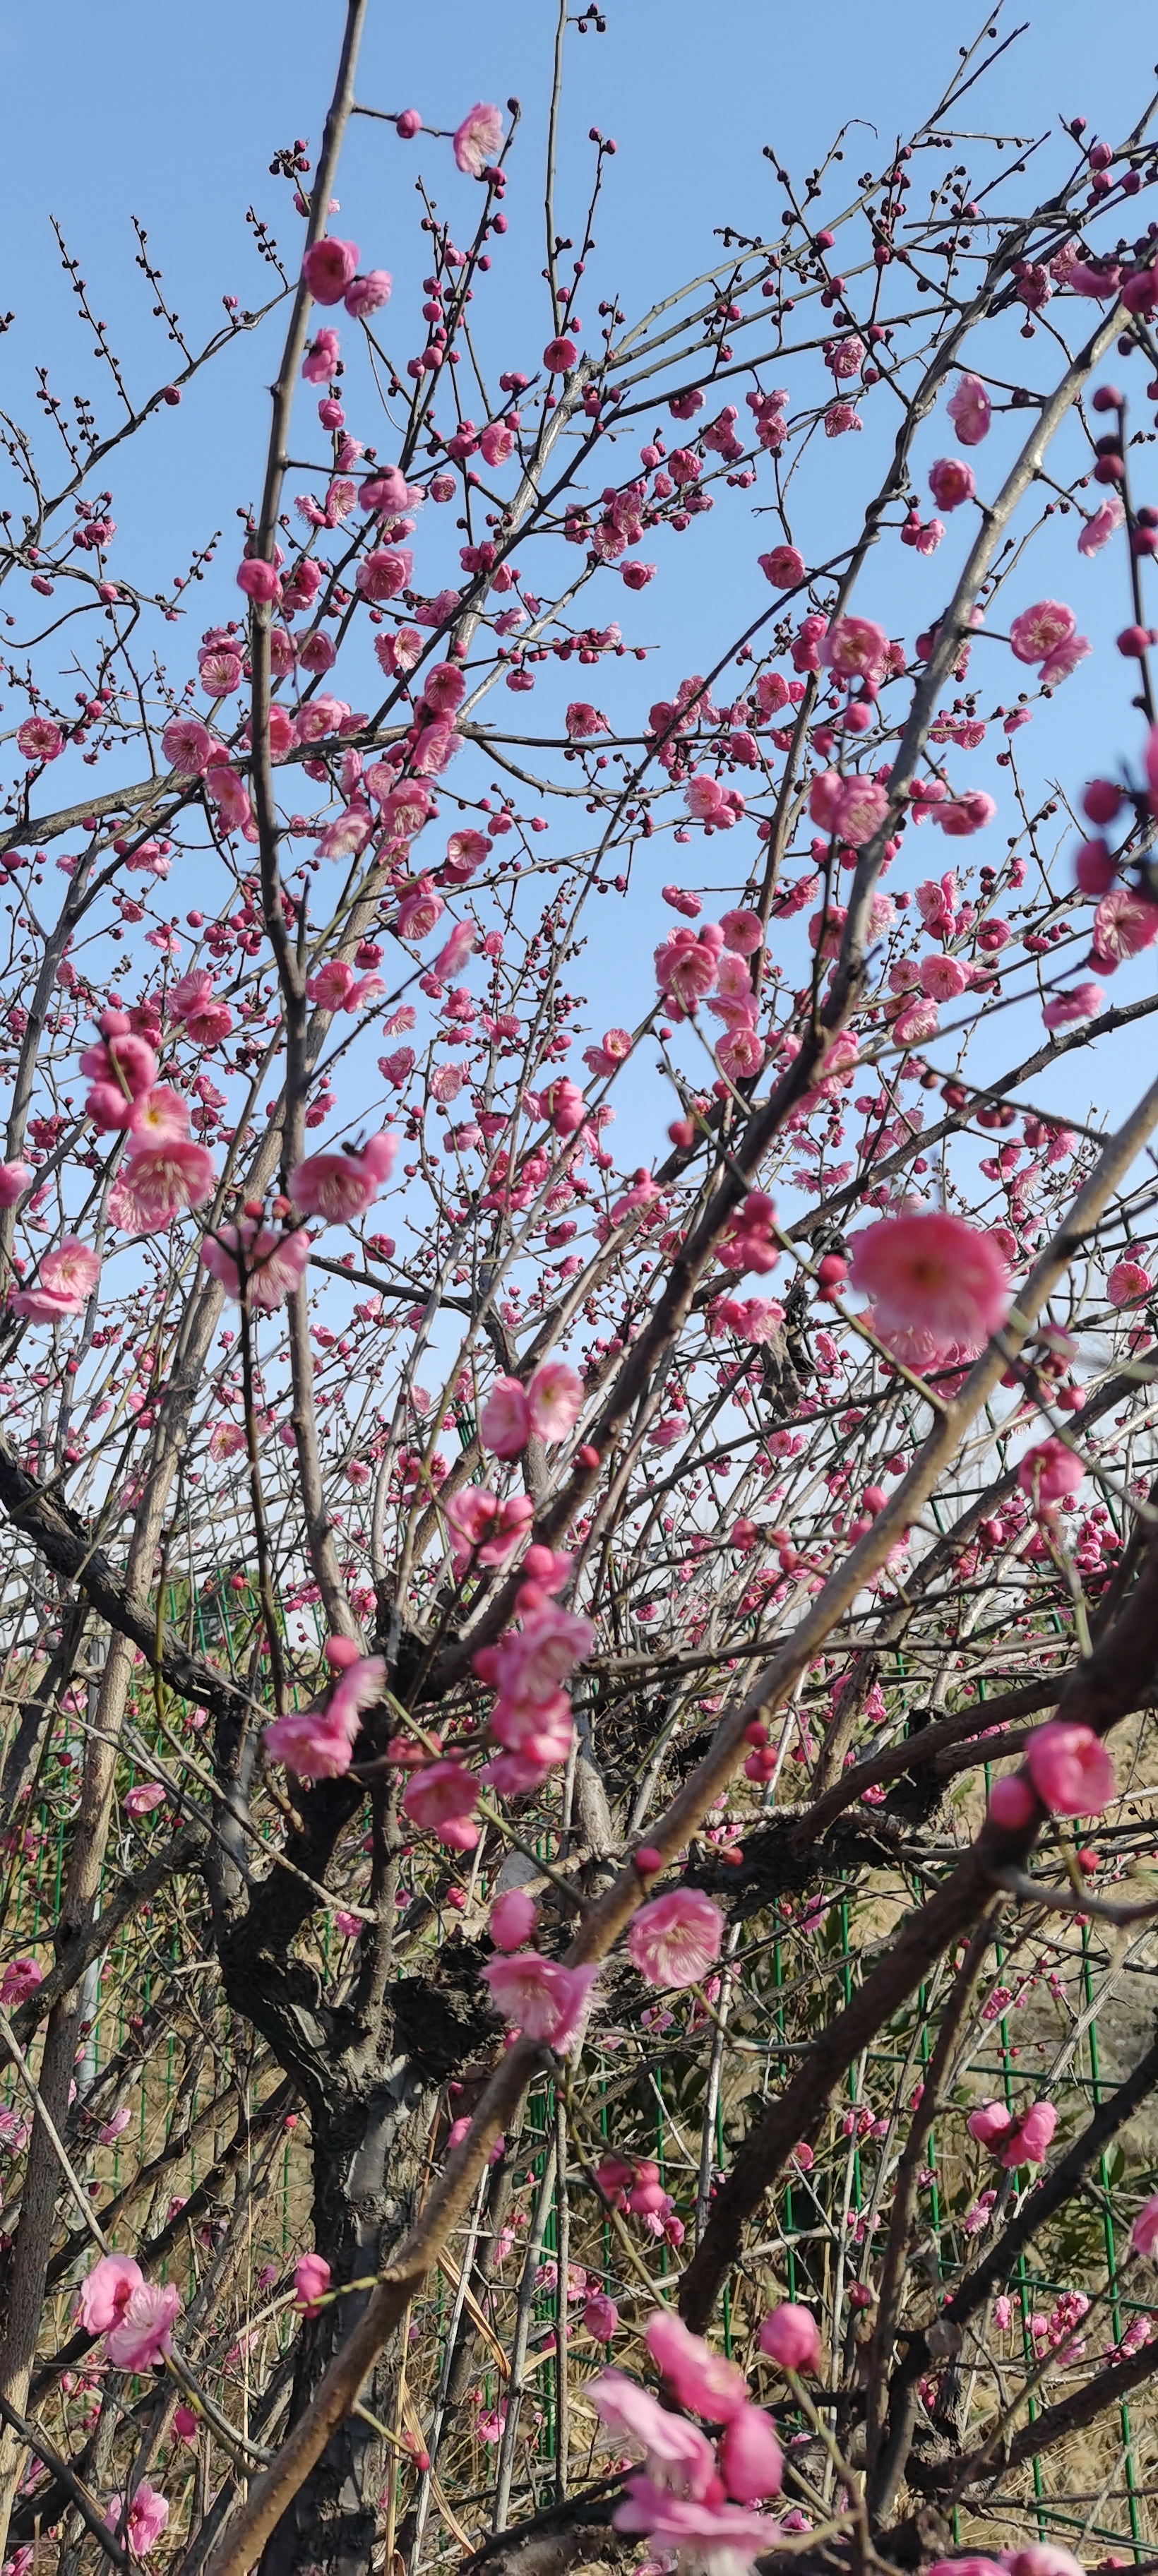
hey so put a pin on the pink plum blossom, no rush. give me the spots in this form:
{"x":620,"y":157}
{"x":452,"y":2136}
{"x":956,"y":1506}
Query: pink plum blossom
{"x":143,"y":2327}
{"x":1038,"y":631}
{"x":675,"y":1939}
{"x":851,"y":808}
{"x":698,"y":2377}
{"x":970,"y":410}
{"x":105,"y":2292}
{"x":442,"y":1798}
{"x":554,"y":1401}
{"x":478,"y":139}
{"x":367,"y":294}
{"x":790,"y":2337}
{"x":338,"y":1187}
{"x":505,"y":1420}
{"x":750,"y":2458}
{"x":1047,"y":1472}
{"x":541,"y":1998}
{"x":1080,"y":1003}
{"x":1126,"y":1281}
{"x":783,"y":567}
{"x":317,"y":1743}
{"x":677,"y":2456}
{"x":855,"y":648}
{"x":1097,"y":531}
{"x":1070,"y":1769}
{"x":718,"y":2539}
{"x":273,"y":1263}
{"x":328,"y":268}
{"x":933,"y":1272}
{"x":146,"y":2519}
{"x":1028,"y":2142}
{"x":20,"y":1979}
{"x":68,"y":1276}
{"x":14,"y":1180}
{"x":159,"y":1182}
{"x":311,"y":2282}
{"x":1144,"y":2232}
{"x":951,"y":482}
{"x":39,"y":739}
{"x":513,"y":1917}
{"x":1124,"y":924}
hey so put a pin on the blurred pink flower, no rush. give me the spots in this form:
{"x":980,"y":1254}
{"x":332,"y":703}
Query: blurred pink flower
{"x":1070,"y":1768}
{"x":478,"y":138}
{"x":697,"y":2376}
{"x":791,"y":2337}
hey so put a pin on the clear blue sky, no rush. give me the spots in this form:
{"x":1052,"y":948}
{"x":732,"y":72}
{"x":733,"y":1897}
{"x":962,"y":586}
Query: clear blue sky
{"x":172,"y":114}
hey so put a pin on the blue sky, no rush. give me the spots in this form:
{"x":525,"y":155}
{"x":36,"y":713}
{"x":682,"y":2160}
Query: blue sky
{"x":172,"y":115}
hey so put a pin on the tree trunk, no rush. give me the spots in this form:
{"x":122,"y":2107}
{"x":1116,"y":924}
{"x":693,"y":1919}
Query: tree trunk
{"x":368,"y":2163}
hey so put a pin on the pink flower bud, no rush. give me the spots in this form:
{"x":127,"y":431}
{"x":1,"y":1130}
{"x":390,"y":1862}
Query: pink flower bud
{"x":791,"y":2337}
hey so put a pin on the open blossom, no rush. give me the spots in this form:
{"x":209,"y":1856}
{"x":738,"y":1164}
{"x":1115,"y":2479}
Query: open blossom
{"x":554,"y":1400}
{"x":478,"y":138}
{"x":161,"y":1181}
{"x":1039,"y":630}
{"x":1070,"y":1769}
{"x":1080,"y":1003}
{"x":529,"y":1665}
{"x":783,"y":567}
{"x":1126,"y":1281}
{"x":951,"y":482}
{"x":68,"y":1276}
{"x":970,"y":410}
{"x":14,"y":1180}
{"x":1097,"y":531}
{"x":541,"y":1998}
{"x":328,"y":268}
{"x":851,"y":808}
{"x":318,"y":1743}
{"x":674,"y":1940}
{"x":141,"y":2333}
{"x":855,"y":648}
{"x":513,"y":1917}
{"x":442,"y":1797}
{"x":484,"y":1527}
{"x":20,"y":1979}
{"x":698,"y":2377}
{"x":273,"y":1263}
{"x":1028,"y":2141}
{"x":505,"y":1420}
{"x":717,"y":2539}
{"x":1124,"y":924}
{"x":187,"y":746}
{"x":38,"y":738}
{"x":338,"y":1187}
{"x":146,"y":2519}
{"x":105,"y":2292}
{"x":677,"y":2456}
{"x":686,"y":966}
{"x":990,"y":2123}
{"x":932,"y":1272}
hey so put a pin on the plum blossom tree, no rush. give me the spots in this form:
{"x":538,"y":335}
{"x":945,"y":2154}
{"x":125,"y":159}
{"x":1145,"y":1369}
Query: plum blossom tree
{"x":547,"y":1744}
